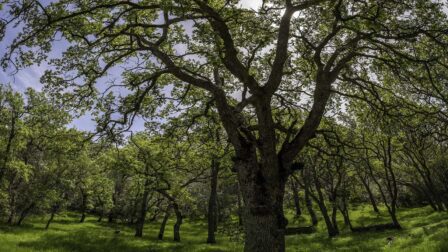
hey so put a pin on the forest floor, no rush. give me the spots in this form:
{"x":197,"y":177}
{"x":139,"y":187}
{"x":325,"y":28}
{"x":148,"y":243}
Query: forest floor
{"x":423,"y":230}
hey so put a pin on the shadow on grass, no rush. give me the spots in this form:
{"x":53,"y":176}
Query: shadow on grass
{"x":100,"y":238}
{"x":81,"y":240}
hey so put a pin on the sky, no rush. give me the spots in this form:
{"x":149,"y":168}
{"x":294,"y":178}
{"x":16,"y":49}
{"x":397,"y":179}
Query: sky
{"x":30,"y":77}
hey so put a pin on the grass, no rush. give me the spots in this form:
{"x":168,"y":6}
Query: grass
{"x":423,"y":230}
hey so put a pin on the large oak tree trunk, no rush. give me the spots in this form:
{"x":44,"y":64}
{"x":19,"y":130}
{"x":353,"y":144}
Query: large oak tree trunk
{"x":264,"y":220}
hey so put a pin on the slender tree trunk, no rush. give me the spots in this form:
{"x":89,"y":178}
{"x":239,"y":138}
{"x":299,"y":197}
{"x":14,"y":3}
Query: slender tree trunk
{"x":334,"y":218}
{"x":101,"y":211}
{"x":393,"y":215}
{"x":12,"y":200}
{"x":295,"y":192}
{"x":25,"y":213}
{"x":331,"y":228}
{"x":212,"y":207}
{"x":11,"y":217}
{"x":54,"y":209}
{"x":345,"y":212}
{"x":179,"y":218}
{"x":163,"y":224}
{"x":435,"y":193}
{"x":332,"y":232}
{"x":11,"y":136}
{"x":49,"y":221}
{"x":346,"y":216}
{"x":83,"y":206}
{"x":309,"y":206}
{"x":418,"y":189}
{"x":240,"y":206}
{"x":143,"y":209}
{"x":110,"y":217}
{"x":371,"y":196}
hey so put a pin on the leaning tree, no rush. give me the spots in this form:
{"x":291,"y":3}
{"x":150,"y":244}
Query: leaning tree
{"x":269,"y":72}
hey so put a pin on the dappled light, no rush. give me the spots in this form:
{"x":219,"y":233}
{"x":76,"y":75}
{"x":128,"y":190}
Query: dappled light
{"x":224,"y":125}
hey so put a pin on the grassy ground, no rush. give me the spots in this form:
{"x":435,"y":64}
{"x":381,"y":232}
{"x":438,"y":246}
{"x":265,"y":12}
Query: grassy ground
{"x":423,"y":230}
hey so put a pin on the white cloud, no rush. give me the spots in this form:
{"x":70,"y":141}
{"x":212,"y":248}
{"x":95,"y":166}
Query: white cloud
{"x":251,"y":4}
{"x":29,"y":77}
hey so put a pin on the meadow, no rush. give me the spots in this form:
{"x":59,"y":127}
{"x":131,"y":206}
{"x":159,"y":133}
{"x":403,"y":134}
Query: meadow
{"x":423,"y":230}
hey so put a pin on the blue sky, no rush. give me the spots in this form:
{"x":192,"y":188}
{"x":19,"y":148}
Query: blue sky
{"x":30,"y":76}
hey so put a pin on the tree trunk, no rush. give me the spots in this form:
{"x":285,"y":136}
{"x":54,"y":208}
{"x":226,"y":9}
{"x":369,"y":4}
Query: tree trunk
{"x":393,"y":215}
{"x":212,"y":208}
{"x":332,"y":232}
{"x":309,"y":206}
{"x":11,"y":217}
{"x":309,"y":203}
{"x":371,"y":196}
{"x":331,"y":228}
{"x":295,"y":192}
{"x":54,"y":210}
{"x":178,"y":222}
{"x":83,"y":217}
{"x":240,"y":207}
{"x":25,"y":213}
{"x":83,"y":206}
{"x":264,"y":221}
{"x":143,"y":209}
{"x":334,"y":219}
{"x":163,"y":224}
{"x":110,"y":218}
{"x":345,"y":212}
{"x":49,"y":221}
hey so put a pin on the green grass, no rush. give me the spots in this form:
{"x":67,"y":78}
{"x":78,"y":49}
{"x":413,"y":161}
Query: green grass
{"x":423,"y":230}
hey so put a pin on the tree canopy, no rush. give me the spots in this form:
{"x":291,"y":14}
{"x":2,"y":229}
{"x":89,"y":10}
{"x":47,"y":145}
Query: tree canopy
{"x":290,"y":85}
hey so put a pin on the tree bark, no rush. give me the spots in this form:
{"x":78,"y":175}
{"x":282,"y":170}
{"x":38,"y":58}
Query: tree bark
{"x":264,"y":220}
{"x":295,"y":192}
{"x":390,"y":179}
{"x":176,"y":230}
{"x":309,"y":204}
{"x":54,"y":209}
{"x":110,"y":217}
{"x":143,"y":209}
{"x":240,"y":206}
{"x":163,"y":224}
{"x":334,"y":218}
{"x":25,"y":213}
{"x":371,"y":196}
{"x":49,"y":221}
{"x":212,"y":207}
{"x":345,"y":212}
{"x":329,"y":222}
{"x":83,"y":206}
{"x":12,"y":215}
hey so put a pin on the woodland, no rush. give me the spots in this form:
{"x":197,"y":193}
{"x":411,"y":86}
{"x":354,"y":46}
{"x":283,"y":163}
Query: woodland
{"x":224,"y":125}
